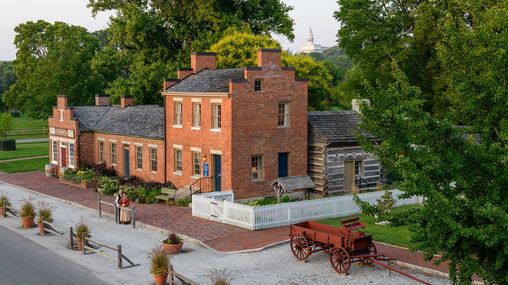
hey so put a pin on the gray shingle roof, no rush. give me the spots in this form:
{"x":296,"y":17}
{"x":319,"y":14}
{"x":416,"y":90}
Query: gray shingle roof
{"x":140,"y":121}
{"x":338,"y":128}
{"x":291,"y":183}
{"x":208,"y":80}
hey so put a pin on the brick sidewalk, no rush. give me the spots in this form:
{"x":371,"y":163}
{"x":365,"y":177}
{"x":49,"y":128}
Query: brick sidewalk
{"x":220,"y":237}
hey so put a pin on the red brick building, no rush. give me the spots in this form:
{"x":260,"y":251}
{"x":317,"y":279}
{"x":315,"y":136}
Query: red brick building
{"x":242,"y":127}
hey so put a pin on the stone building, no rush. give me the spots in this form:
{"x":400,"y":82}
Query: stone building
{"x":310,"y":46}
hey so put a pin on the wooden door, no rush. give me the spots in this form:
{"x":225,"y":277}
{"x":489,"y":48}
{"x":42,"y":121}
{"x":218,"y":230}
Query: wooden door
{"x":217,"y":172}
{"x":63,"y":157}
{"x":349,"y":175}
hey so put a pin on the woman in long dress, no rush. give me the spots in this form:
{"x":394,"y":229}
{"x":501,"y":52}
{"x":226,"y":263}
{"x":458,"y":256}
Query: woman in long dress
{"x":124,"y":213}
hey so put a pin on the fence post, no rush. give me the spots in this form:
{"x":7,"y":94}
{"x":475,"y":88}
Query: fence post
{"x":119,"y":249}
{"x":4,"y":209}
{"x":83,"y":242}
{"x":99,"y":206}
{"x":171,"y":278}
{"x":71,"y":242}
{"x":133,"y":216}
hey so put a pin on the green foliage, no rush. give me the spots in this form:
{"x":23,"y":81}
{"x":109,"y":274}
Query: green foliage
{"x":173,"y":239}
{"x":271,"y":201}
{"x":82,"y":228}
{"x":45,"y":212}
{"x":184,"y":202}
{"x":27,"y":207}
{"x":78,"y":176}
{"x":7,"y":78}
{"x":52,"y":59}
{"x":5,"y":124}
{"x":386,"y":202}
{"x":221,"y":276}
{"x":107,"y":185}
{"x":159,"y":261}
{"x":366,"y":207}
{"x":4,"y":200}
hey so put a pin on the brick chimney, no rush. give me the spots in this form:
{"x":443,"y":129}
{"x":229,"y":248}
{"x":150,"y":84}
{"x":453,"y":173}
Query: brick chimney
{"x":61,"y":101}
{"x":202,"y":60}
{"x":168,"y":83}
{"x":184,"y":72}
{"x":269,"y":58}
{"x":102,"y":100}
{"x":126,"y":101}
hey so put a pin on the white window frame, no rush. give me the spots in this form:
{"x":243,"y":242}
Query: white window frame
{"x":358,"y":167}
{"x":196,"y":163}
{"x":113,"y":152}
{"x":100,"y":151}
{"x":177,"y":120}
{"x":216,"y":116}
{"x":139,"y":157}
{"x":284,"y":116}
{"x":196,"y":116}
{"x":178,"y":163}
{"x":72,"y":154}
{"x":153,"y":162}
{"x":259,"y":167}
{"x":54,"y":151}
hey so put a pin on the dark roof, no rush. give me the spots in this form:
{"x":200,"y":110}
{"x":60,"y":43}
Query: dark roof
{"x":140,"y":121}
{"x":291,"y":183}
{"x":337,"y":128}
{"x":208,"y":80}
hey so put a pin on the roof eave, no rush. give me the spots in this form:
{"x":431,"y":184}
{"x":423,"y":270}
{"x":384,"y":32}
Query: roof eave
{"x":196,"y":94}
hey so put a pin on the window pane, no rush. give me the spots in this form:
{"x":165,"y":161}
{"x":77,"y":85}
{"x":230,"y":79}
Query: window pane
{"x":71,"y":154}
{"x":178,"y":160}
{"x":216,"y":120}
{"x":257,"y":167}
{"x":196,"y":115}
{"x":178,"y":113}
{"x":101,"y":151}
{"x":196,"y":163}
{"x":153,"y":159}
{"x":139,"y":157}
{"x":55,"y":151}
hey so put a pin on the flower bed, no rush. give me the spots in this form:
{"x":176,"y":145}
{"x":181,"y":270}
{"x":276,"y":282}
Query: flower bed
{"x":136,"y":190}
{"x":84,"y":179}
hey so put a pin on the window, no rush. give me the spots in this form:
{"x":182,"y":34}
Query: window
{"x":283,"y":120}
{"x":113,"y":153}
{"x":257,"y":168}
{"x":101,"y":151}
{"x":61,"y":115}
{"x":71,"y":154}
{"x":257,"y":85}
{"x":359,"y":167}
{"x":153,"y":159}
{"x":196,"y":163}
{"x":196,"y":115}
{"x":216,"y":116}
{"x":139,"y":157}
{"x":54,"y":151}
{"x":178,"y":114}
{"x":178,"y":160}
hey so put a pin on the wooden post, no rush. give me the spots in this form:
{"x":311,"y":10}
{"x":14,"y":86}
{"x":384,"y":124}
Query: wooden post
{"x":133,"y":217}
{"x":99,"y":206}
{"x":171,"y":277}
{"x":4,"y":207}
{"x":119,"y":249}
{"x":83,"y":241}
{"x":71,"y":242}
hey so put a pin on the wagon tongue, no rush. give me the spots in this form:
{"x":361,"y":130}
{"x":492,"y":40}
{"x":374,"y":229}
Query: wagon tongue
{"x":379,"y":261}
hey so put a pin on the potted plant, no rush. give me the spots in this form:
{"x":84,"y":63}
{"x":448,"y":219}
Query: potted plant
{"x":173,"y":244}
{"x":45,"y":213}
{"x":27,"y":213}
{"x":4,"y":202}
{"x":159,"y":265}
{"x":82,"y":230}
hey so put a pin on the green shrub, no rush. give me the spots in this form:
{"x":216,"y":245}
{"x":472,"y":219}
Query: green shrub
{"x":78,"y":176}
{"x":159,"y":261}
{"x":45,"y":212}
{"x":107,"y":185}
{"x":4,"y":199}
{"x":82,"y":228}
{"x":271,"y":201}
{"x":403,"y":218}
{"x":173,"y":239}
{"x":27,"y":208}
{"x":184,"y":202}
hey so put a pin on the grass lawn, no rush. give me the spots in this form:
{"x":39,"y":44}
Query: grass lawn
{"x":393,"y":235}
{"x":27,"y":123}
{"x":25,"y":150}
{"x":24,"y":165}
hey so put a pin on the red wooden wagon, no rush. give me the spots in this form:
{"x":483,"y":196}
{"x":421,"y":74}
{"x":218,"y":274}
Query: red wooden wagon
{"x":345,"y":245}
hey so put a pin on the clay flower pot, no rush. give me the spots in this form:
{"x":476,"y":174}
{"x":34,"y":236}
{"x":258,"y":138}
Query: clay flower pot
{"x":160,"y":279}
{"x":28,"y":222}
{"x":79,"y":243}
{"x":2,"y":212}
{"x":40,"y":227}
{"x":172,"y":248}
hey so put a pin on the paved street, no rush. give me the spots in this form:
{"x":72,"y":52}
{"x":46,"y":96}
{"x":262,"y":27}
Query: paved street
{"x":24,"y":262}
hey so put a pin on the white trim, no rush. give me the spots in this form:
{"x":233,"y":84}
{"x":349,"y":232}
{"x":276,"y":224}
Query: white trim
{"x":53,"y":138}
{"x":179,"y":173}
{"x":63,"y":144}
{"x":196,"y":176}
{"x":196,"y":128}
{"x":177,"y":99}
{"x":216,"y":101}
{"x":196,"y":100}
{"x":52,"y":130}
{"x":215,"y":151}
{"x":101,"y":139}
{"x":61,"y":115}
{"x":177,"y":126}
{"x":196,"y":149}
{"x":112,"y":141}
{"x":70,"y":133}
{"x":152,"y":146}
{"x":138,"y":144}
{"x":179,"y":146}
{"x":215,"y":130}
{"x":197,"y":94}
{"x":123,"y":142}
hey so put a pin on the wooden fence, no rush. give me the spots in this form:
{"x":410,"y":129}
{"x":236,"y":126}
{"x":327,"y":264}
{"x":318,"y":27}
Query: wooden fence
{"x":174,"y":275}
{"x":222,"y":209}
{"x":28,"y":131}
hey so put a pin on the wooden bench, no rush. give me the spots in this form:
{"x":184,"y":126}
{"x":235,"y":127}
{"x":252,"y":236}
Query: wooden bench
{"x":167,"y":194}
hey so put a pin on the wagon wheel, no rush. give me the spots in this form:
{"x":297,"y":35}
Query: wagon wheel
{"x":340,"y":260}
{"x":300,"y":246}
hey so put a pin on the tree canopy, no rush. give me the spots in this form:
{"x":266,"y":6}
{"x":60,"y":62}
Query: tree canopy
{"x":436,"y":74}
{"x":52,"y":59}
{"x":7,"y":78}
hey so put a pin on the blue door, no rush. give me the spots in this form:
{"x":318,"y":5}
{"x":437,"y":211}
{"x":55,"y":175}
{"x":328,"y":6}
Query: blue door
{"x":217,"y":172}
{"x":283,"y":164}
{"x":126,"y":162}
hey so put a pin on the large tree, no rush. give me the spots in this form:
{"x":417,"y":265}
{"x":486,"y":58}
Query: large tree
{"x":148,"y":39}
{"x":52,"y":59}
{"x":7,"y":78}
{"x":464,"y":181}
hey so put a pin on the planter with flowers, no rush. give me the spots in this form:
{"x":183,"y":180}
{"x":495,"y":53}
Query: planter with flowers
{"x":27,"y":213}
{"x":4,"y":203}
{"x":173,"y":244}
{"x":159,"y":265}
{"x":45,"y":213}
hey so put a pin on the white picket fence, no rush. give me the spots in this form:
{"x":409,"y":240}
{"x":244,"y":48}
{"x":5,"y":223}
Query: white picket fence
{"x":221,"y":207}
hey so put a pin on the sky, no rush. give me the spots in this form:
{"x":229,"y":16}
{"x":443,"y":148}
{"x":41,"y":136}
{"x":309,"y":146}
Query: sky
{"x":317,"y":14}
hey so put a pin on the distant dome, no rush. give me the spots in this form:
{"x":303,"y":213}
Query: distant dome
{"x":310,"y":46}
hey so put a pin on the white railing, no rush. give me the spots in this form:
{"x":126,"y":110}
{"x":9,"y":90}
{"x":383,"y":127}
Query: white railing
{"x":270,"y":216}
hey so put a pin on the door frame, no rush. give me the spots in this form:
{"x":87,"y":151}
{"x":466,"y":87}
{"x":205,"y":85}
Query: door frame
{"x":349,"y":181}
{"x":287,"y":164}
{"x":126,"y":167}
{"x":214,"y":167}
{"x":63,"y":145}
